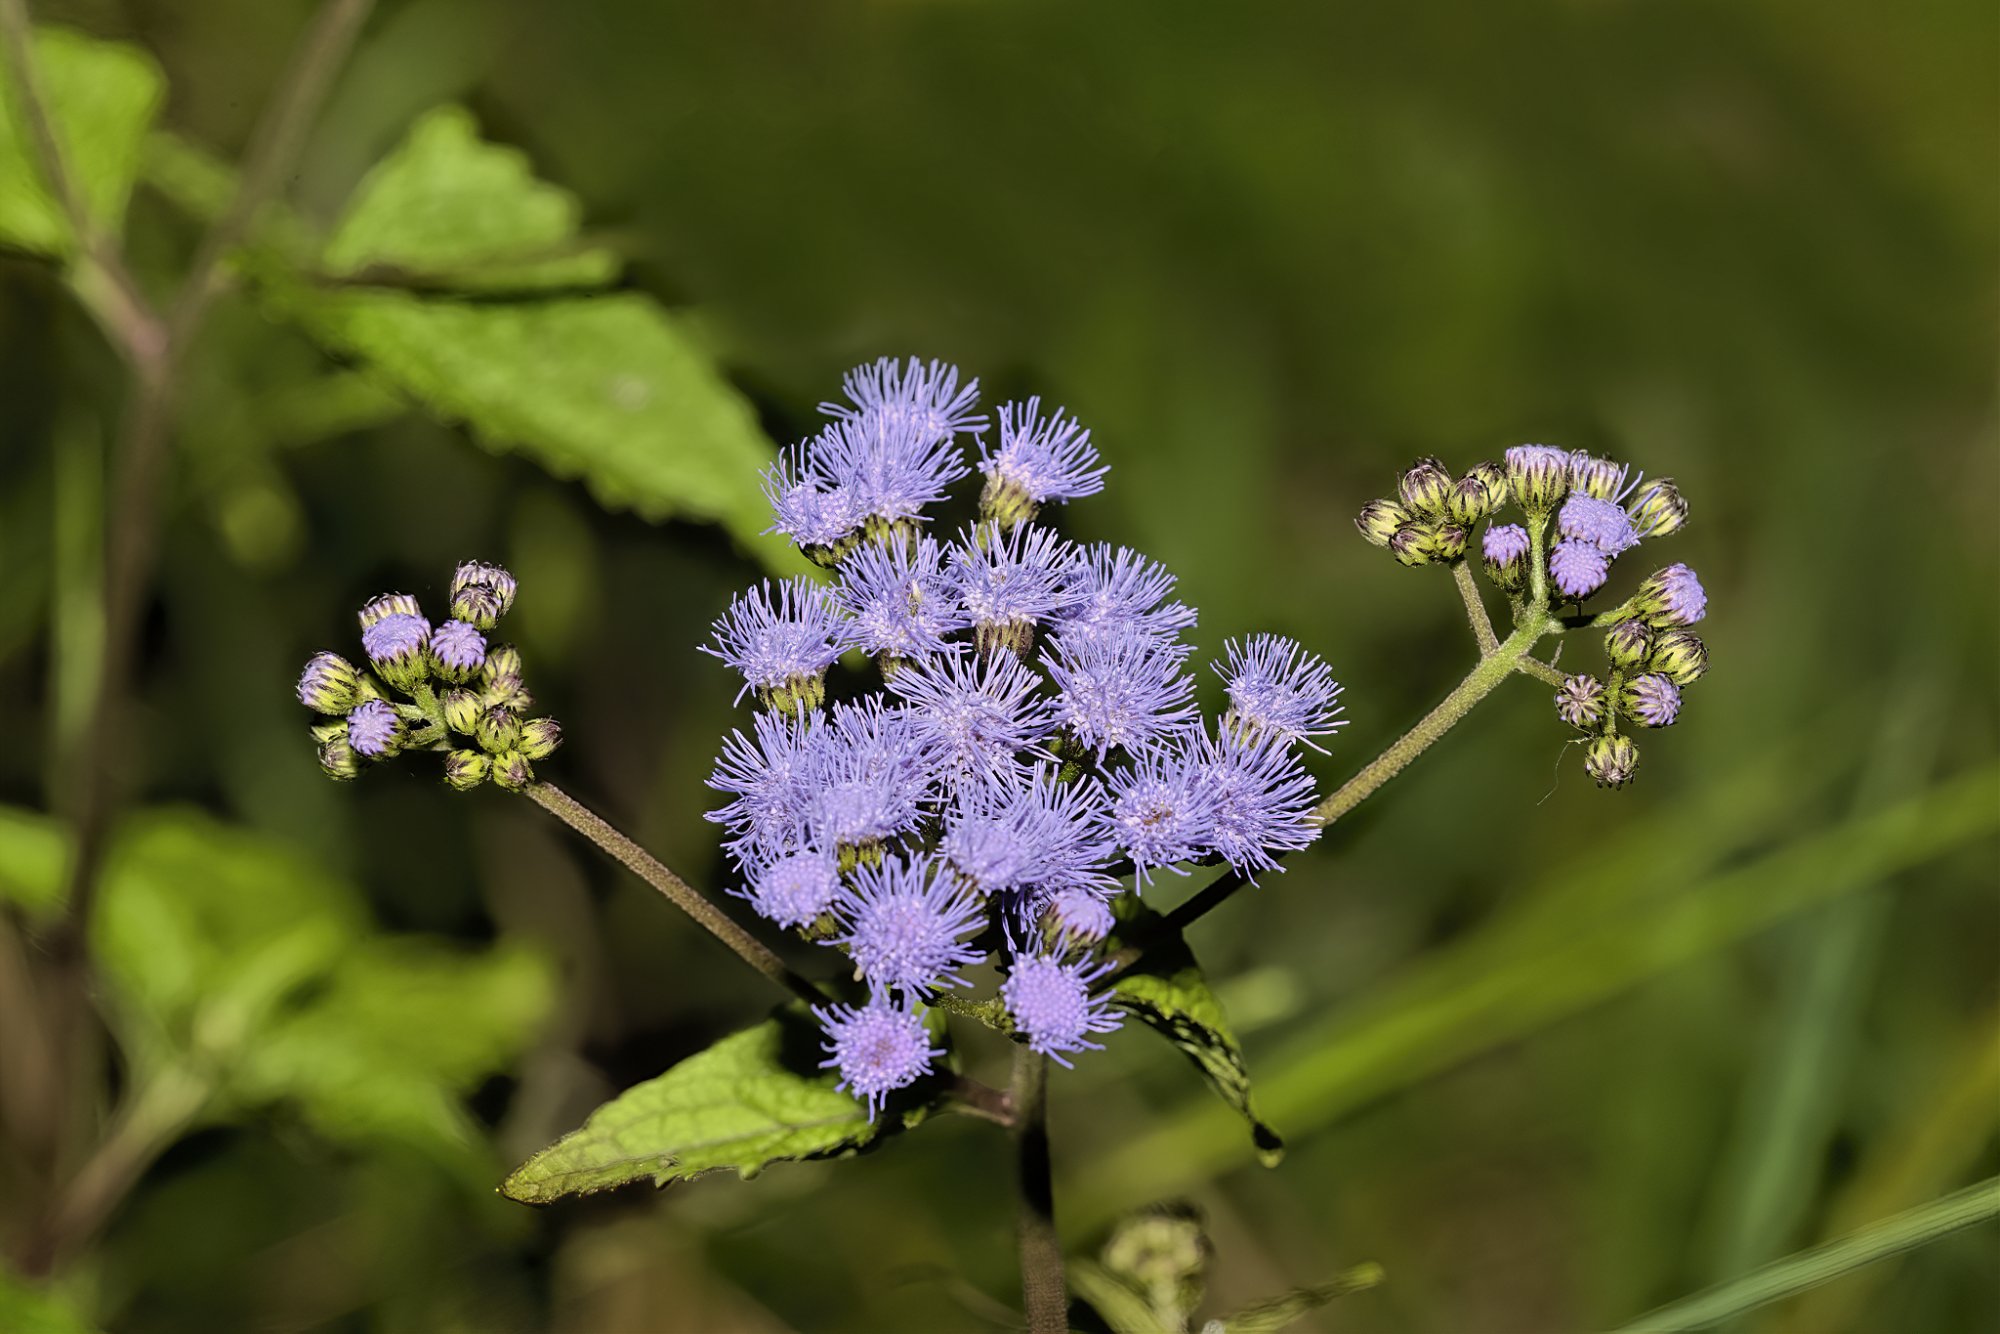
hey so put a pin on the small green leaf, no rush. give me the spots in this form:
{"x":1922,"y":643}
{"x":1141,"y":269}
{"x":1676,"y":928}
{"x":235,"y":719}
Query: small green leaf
{"x":755,"y":1098}
{"x":33,"y":852}
{"x":25,"y":1309}
{"x":1267,"y":1317}
{"x":1116,"y":1303}
{"x":610,"y":389}
{"x":449,"y":206}
{"x":1166,"y":991}
{"x":101,"y":97}
{"x":401,"y":1028}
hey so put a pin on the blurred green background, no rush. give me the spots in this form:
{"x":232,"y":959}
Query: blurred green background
{"x":1551,"y":1055}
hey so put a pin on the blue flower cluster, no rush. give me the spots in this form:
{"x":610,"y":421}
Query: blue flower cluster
{"x":1028,"y":732}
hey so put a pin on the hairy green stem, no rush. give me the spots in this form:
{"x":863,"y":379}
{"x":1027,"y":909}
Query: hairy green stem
{"x":1475,"y":609}
{"x":676,"y":890}
{"x":1042,"y":1285}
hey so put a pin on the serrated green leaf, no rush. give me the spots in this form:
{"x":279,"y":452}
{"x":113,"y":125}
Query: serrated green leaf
{"x":449,"y":206}
{"x":399,"y":1030}
{"x":25,"y":1309}
{"x":1166,"y":991}
{"x":1268,"y":1317}
{"x":608,"y":389}
{"x":101,"y":98}
{"x":33,"y":851}
{"x":755,"y":1098}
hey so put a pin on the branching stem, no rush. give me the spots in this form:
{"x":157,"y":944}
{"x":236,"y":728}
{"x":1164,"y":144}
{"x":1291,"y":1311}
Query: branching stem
{"x":1475,"y":609}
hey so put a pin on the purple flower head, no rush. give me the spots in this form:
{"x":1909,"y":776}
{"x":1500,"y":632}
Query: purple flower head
{"x":1278,"y":688}
{"x":924,"y":398}
{"x":1161,"y":809}
{"x":1504,"y":543}
{"x":1601,"y":523}
{"x":1080,"y":916}
{"x":1578,"y":567}
{"x":1651,"y":700}
{"x":1673,"y":597}
{"x":975,"y":714}
{"x":1537,"y":475}
{"x":796,"y":888}
{"x":890,"y":468}
{"x":1039,"y":459}
{"x":388,"y":604}
{"x":1051,"y":1004}
{"x":329,"y":684}
{"x":1260,"y":800}
{"x":1120,"y":690}
{"x":904,"y":924}
{"x":1599,"y":478}
{"x":869,"y":777}
{"x":808,"y":506}
{"x":398,"y":637}
{"x":898,"y":600}
{"x":1118,"y":591}
{"x":782,"y":643}
{"x":1034,"y":834}
{"x":1008,"y":584}
{"x":878,"y":1048}
{"x":374,"y":729}
{"x":458,"y":650}
{"x":770,"y":775}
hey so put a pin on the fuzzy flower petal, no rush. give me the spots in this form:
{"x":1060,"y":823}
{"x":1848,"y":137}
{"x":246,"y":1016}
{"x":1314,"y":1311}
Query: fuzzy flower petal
{"x":1277,"y":687}
{"x":878,"y":1048}
{"x":1052,"y":1005}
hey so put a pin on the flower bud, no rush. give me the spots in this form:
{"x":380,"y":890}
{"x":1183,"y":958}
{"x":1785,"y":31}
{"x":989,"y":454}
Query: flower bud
{"x":375,"y":729}
{"x":1504,"y":547}
{"x":329,"y":684}
{"x":1412,"y":544}
{"x":1599,"y":478}
{"x":1650,"y":700}
{"x":497,"y":730}
{"x":540,"y":737}
{"x":1538,"y":475}
{"x":379,"y":609}
{"x":1425,"y":486}
{"x":466,"y":769}
{"x":1628,"y":644}
{"x":1381,"y":520}
{"x":1580,"y":702}
{"x":512,"y":771}
{"x":1611,"y":760}
{"x":457,"y":651}
{"x":1447,"y":542}
{"x":1657,"y":509}
{"x":398,"y":646}
{"x":1671,"y":598}
{"x":461,"y":710}
{"x":1477,"y":494}
{"x":328,"y":730}
{"x":502,"y":660}
{"x":1679,"y":656}
{"x":481,"y":594}
{"x":339,"y":760}
{"x":1578,"y":568}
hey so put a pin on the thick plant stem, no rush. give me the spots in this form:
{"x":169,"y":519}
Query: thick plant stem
{"x":1475,"y":609}
{"x":1042,"y":1285}
{"x":677,"y":891}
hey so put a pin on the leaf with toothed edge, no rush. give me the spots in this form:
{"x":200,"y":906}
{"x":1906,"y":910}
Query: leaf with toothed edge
{"x":1167,"y":991}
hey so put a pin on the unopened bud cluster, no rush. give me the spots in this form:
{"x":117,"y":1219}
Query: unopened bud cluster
{"x":460,"y":695}
{"x":1578,"y":514}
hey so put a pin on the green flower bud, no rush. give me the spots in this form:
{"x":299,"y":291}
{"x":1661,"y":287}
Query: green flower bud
{"x":466,"y":769}
{"x":1005,"y":503}
{"x":502,"y":660}
{"x":800,"y":694}
{"x":1657,"y":509}
{"x":512,"y":771}
{"x":1475,"y":496}
{"x":461,"y":710}
{"x":1425,"y":487}
{"x":1381,"y":520}
{"x":327,"y":731}
{"x":1580,"y":702}
{"x":339,"y":759}
{"x":1680,"y":656}
{"x":829,"y":555}
{"x":1447,"y":542}
{"x":540,"y":737}
{"x":497,"y":730}
{"x":329,"y":684}
{"x":1538,"y":475}
{"x":1412,"y":544}
{"x":1628,"y":644}
{"x":1611,"y":760}
{"x":389,"y":604}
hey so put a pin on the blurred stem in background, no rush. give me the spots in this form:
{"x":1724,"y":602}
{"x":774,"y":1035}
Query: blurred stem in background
{"x":154,"y":345}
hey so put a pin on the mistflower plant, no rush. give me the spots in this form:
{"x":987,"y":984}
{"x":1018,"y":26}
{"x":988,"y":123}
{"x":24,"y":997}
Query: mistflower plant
{"x":975,"y":761}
